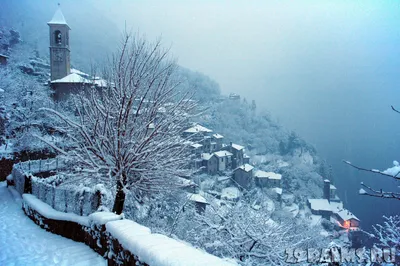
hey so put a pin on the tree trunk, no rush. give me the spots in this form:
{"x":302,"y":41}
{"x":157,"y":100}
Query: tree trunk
{"x":119,"y":198}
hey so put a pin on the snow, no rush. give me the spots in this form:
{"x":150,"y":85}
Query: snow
{"x":198,"y":128}
{"x":72,"y":78}
{"x":393,"y":170}
{"x":58,"y":18}
{"x":206,"y":156}
{"x":197,"y":198}
{"x":346,"y":215}
{"x":80,"y":73}
{"x":277,"y":190}
{"x":196,"y":145}
{"x":269,"y":175}
{"x":332,"y":187}
{"x":104,"y":217}
{"x":315,"y":219}
{"x":362,"y":191}
{"x":218,"y":136}
{"x":159,"y":250}
{"x":23,"y":242}
{"x":320,"y":204}
{"x":237,"y":147}
{"x":48,"y":212}
{"x":223,"y":153}
{"x":246,"y":167}
{"x":230,"y":193}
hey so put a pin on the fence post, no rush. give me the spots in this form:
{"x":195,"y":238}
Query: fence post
{"x":29,"y":165}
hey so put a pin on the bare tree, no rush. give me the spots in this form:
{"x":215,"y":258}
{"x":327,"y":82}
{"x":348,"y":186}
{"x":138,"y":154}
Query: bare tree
{"x":393,"y":172}
{"x":128,"y":134}
{"x":248,"y":235}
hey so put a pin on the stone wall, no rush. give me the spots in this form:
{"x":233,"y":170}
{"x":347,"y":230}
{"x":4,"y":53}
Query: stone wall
{"x":114,"y":238}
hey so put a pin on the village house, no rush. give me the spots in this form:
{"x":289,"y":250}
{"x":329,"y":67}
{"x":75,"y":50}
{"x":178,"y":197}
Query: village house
{"x":199,"y":202}
{"x":224,"y":160}
{"x":267,"y":179}
{"x":242,"y":175}
{"x":331,"y":207}
{"x":217,"y":140}
{"x":238,"y":154}
{"x":347,"y":219}
{"x":210,"y":163}
{"x":197,"y":133}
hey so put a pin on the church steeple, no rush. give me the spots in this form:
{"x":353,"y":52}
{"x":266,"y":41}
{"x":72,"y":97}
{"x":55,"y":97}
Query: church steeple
{"x":59,"y":46}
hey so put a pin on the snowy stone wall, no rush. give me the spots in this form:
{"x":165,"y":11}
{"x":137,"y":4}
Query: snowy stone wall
{"x":121,"y":241}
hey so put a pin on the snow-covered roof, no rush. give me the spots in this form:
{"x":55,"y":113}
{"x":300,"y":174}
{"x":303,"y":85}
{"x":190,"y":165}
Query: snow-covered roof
{"x":237,"y":147}
{"x":346,"y":215}
{"x":72,"y":78}
{"x":198,"y":128}
{"x":327,"y":180}
{"x":222,"y":153}
{"x":196,"y":198}
{"x":320,"y":204}
{"x":3,"y":55}
{"x":196,"y":145}
{"x":230,"y":193}
{"x":278,"y":190}
{"x":246,"y":167}
{"x":336,"y":206}
{"x":76,"y":71}
{"x":269,"y":175}
{"x":332,"y":187}
{"x":206,"y":156}
{"x":218,"y":136}
{"x":58,"y":18}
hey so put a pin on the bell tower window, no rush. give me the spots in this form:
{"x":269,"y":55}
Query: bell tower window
{"x":58,"y":37}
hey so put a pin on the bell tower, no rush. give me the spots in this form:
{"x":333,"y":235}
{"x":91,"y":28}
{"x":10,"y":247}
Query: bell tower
{"x":59,"y":46}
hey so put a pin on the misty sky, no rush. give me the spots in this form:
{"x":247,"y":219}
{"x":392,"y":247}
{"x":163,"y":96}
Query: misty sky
{"x":328,"y":69}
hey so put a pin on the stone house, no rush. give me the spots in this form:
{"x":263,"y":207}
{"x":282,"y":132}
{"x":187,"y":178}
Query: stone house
{"x":347,"y":219}
{"x":267,"y":179}
{"x":238,"y":154}
{"x":199,"y":202}
{"x":243,"y":175}
{"x":224,"y":160}
{"x":216,"y":143}
{"x":210,"y":163}
{"x":330,"y":192}
{"x":320,"y":207}
{"x":197,"y":133}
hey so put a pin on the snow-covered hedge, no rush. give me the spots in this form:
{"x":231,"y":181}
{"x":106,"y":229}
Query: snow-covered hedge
{"x":78,"y":200}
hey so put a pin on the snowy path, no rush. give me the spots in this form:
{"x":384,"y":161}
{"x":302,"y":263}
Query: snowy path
{"x":22,"y":242}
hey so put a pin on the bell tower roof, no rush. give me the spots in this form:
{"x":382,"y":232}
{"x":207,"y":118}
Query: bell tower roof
{"x":58,"y":18}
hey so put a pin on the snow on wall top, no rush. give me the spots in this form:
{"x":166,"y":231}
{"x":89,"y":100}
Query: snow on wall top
{"x":159,"y":250}
{"x":48,"y":212}
{"x":104,"y":217}
{"x":218,"y":136}
{"x":58,"y":18}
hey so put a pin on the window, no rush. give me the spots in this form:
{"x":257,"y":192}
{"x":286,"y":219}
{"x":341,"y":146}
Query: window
{"x":57,"y":37}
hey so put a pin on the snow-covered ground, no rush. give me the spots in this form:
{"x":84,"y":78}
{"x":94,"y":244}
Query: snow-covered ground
{"x":22,"y":242}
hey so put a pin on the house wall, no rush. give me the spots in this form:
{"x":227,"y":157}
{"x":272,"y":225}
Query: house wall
{"x":242,"y":178}
{"x":61,"y":91}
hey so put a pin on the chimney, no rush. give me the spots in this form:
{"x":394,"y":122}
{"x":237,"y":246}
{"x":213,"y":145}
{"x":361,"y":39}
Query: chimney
{"x":327,"y":190}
